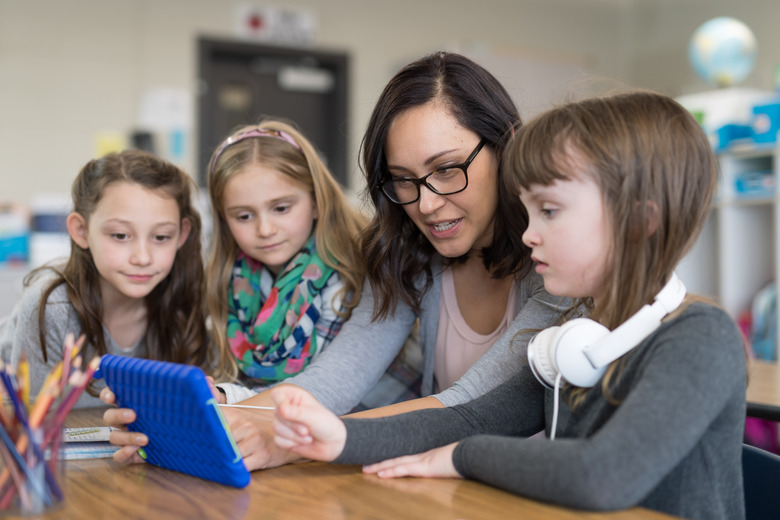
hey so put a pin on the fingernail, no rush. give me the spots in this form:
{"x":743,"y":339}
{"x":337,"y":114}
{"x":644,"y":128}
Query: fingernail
{"x":127,"y":415}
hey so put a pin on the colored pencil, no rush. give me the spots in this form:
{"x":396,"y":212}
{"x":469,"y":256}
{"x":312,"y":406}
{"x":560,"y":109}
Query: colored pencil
{"x":34,"y":427}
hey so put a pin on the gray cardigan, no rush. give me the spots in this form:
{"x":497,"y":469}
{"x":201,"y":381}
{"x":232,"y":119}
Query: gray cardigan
{"x":19,"y":333}
{"x":673,"y":444}
{"x":362,"y":351}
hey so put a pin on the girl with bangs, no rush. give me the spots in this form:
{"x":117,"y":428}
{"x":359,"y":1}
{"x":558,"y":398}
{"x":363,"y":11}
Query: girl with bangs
{"x":643,"y":402}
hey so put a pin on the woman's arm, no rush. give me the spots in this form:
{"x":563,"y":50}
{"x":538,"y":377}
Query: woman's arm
{"x":356,"y":358}
{"x":423,"y":403}
{"x":503,"y":360}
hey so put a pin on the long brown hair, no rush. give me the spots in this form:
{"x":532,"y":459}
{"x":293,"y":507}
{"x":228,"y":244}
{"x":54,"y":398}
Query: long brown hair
{"x":657,"y":174}
{"x":396,"y":252}
{"x":336,"y":232}
{"x":176,"y":328}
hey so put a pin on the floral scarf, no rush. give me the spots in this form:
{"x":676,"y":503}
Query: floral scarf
{"x":271,"y":323}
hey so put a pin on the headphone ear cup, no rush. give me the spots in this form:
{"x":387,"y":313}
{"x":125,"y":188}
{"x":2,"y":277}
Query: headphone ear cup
{"x":569,"y":351}
{"x":561,"y":349}
{"x":541,"y":350}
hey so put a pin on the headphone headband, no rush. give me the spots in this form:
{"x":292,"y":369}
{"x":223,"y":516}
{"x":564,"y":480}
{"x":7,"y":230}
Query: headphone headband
{"x":580,"y":349}
{"x":255,"y":132}
{"x":631,"y":332}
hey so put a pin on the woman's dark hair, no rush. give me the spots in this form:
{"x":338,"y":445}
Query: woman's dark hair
{"x":395,"y":250}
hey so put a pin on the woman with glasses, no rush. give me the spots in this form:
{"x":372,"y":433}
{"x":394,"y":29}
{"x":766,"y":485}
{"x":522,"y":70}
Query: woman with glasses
{"x":443,"y":248}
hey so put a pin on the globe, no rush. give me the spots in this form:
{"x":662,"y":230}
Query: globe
{"x":723,"y":51}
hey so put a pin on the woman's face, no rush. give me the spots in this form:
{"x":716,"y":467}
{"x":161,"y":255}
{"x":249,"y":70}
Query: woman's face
{"x":427,"y":138}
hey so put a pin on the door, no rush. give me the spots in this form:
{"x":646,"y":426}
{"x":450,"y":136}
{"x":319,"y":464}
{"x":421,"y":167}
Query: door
{"x":240,"y":83}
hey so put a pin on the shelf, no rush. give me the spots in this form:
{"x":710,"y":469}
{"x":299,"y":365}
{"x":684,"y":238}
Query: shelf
{"x":737,"y":252}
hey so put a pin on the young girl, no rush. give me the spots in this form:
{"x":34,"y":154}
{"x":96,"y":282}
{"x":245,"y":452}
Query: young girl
{"x":617,"y":190}
{"x":284,"y":252}
{"x":133,"y":282}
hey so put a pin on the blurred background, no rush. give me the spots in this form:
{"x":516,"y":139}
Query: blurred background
{"x":81,"y":77}
{"x":85,"y":77}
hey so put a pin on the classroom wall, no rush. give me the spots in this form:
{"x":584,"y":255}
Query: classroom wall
{"x":70,"y":71}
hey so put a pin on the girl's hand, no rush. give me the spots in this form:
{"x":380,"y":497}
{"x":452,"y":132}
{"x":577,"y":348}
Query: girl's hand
{"x":436,"y":463}
{"x":129,"y":442}
{"x":219,"y":396}
{"x":305,"y":427}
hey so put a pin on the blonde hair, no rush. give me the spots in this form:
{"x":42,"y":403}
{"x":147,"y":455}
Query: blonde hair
{"x":281,"y":147}
{"x":657,"y":175}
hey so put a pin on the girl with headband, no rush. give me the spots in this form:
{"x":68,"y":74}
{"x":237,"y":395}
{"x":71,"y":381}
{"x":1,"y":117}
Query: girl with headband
{"x":285,"y":253}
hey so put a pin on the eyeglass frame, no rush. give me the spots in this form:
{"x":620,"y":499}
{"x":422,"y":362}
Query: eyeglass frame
{"x":423,"y":182}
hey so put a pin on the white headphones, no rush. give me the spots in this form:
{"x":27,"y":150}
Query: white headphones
{"x":580,"y":350}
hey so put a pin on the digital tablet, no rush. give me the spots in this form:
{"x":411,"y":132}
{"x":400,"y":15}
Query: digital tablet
{"x":177,"y":411}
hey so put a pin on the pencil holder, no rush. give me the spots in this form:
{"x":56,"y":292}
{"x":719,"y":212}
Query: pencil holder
{"x":31,"y":468}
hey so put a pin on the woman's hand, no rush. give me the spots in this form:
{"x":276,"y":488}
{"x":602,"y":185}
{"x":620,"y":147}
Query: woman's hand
{"x":305,"y":427}
{"x":436,"y":463}
{"x":119,"y":418}
{"x":253,"y":433}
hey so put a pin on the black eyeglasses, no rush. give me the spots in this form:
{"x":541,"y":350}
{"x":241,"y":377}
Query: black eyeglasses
{"x":445,"y":181}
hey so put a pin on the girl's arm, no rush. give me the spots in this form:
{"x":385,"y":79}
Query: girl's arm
{"x":679,"y":425}
{"x":516,"y":407}
{"x":305,"y":427}
{"x":19,"y":332}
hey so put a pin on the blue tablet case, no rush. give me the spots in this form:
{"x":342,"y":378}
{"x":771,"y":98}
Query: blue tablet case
{"x":177,"y":411}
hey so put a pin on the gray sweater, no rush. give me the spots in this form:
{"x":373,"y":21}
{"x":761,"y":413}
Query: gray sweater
{"x":673,"y":444}
{"x":19,"y":333}
{"x":362,"y":351}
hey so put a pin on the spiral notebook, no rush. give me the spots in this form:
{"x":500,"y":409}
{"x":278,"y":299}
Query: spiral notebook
{"x":177,"y":411}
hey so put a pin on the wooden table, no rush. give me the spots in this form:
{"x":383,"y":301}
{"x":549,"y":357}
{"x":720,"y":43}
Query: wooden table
{"x":763,"y":391}
{"x":101,"y":488}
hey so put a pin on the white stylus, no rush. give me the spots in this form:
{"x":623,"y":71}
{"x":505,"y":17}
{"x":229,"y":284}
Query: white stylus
{"x":248,"y":406}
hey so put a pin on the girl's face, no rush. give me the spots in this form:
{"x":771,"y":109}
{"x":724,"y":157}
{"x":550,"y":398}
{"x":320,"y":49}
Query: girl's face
{"x":427,"y":138}
{"x":569,"y":233}
{"x":270,"y":215}
{"x":133,"y":236}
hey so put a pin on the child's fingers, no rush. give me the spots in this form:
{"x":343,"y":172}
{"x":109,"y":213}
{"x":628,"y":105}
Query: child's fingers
{"x":119,"y":417}
{"x":436,"y":463}
{"x":396,"y":467}
{"x":293,"y":431}
{"x":284,"y":395}
{"x":127,"y":454}
{"x":292,"y":444}
{"x":126,"y":438}
{"x":107,"y":396}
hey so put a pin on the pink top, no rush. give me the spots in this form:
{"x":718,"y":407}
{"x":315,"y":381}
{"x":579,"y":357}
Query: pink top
{"x":457,"y":346}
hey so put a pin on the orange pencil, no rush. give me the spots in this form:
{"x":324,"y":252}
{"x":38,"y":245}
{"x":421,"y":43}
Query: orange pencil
{"x":56,"y":372}
{"x":5,"y":419}
{"x":23,"y":377}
